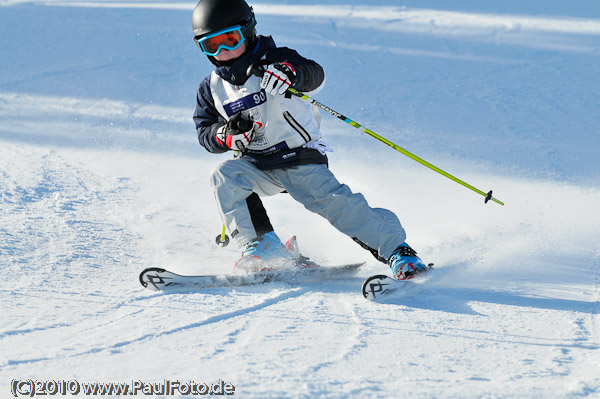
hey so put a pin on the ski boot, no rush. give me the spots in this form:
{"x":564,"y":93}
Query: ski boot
{"x":299,"y":261}
{"x":263,"y":253}
{"x":405,"y":263}
{"x":268,"y":253}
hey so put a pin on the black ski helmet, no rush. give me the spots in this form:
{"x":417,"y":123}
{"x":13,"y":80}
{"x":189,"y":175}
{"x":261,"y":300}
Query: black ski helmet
{"x":213,"y":15}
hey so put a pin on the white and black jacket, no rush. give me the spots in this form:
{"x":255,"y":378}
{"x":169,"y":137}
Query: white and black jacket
{"x":287,"y":123}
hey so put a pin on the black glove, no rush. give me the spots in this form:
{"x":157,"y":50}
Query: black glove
{"x":278,"y":77}
{"x":237,"y":134}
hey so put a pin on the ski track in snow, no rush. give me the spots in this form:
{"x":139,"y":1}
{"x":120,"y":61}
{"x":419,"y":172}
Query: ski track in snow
{"x":101,"y":176}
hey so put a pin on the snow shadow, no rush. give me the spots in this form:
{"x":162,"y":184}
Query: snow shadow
{"x":456,"y":300}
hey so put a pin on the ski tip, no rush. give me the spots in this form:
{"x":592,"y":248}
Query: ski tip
{"x":148,"y":282}
{"x":375,"y":286}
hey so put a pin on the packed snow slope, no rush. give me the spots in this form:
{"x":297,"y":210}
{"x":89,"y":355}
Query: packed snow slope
{"x":101,"y":176}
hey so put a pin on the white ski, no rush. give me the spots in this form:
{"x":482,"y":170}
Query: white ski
{"x":380,"y":285}
{"x":158,"y":279}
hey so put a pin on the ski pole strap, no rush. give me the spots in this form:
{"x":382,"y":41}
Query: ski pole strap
{"x":488,"y":196}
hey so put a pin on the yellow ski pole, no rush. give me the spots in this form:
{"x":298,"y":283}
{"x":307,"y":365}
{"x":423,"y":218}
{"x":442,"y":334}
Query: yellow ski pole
{"x":256,"y":70}
{"x":488,"y":196}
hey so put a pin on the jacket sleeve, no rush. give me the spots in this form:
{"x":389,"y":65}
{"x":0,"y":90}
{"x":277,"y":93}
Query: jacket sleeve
{"x":207,"y":119}
{"x":309,"y":75}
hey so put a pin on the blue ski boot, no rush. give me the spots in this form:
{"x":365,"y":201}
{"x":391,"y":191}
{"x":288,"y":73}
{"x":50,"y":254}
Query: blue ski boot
{"x":405,"y":263}
{"x":263,"y":253}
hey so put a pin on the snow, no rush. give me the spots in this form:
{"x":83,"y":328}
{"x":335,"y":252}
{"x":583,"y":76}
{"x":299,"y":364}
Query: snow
{"x":101,"y":176}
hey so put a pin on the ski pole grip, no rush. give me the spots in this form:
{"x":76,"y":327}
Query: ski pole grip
{"x":245,"y":125}
{"x":258,"y":68}
{"x":241,"y":122}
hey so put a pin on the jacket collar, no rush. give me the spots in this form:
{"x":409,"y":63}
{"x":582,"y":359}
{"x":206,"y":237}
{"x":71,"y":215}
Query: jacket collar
{"x":236,"y":72}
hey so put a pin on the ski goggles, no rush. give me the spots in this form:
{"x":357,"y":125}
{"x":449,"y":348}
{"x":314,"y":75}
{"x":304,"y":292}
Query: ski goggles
{"x":228,"y":39}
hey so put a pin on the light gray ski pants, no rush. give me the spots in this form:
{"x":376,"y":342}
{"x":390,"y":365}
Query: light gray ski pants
{"x":315,"y":187}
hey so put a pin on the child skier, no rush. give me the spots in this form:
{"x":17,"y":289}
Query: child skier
{"x":277,"y":142}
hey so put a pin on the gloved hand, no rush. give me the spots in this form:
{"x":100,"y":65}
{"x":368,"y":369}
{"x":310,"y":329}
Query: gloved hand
{"x":237,"y":134}
{"x":277,"y":78}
